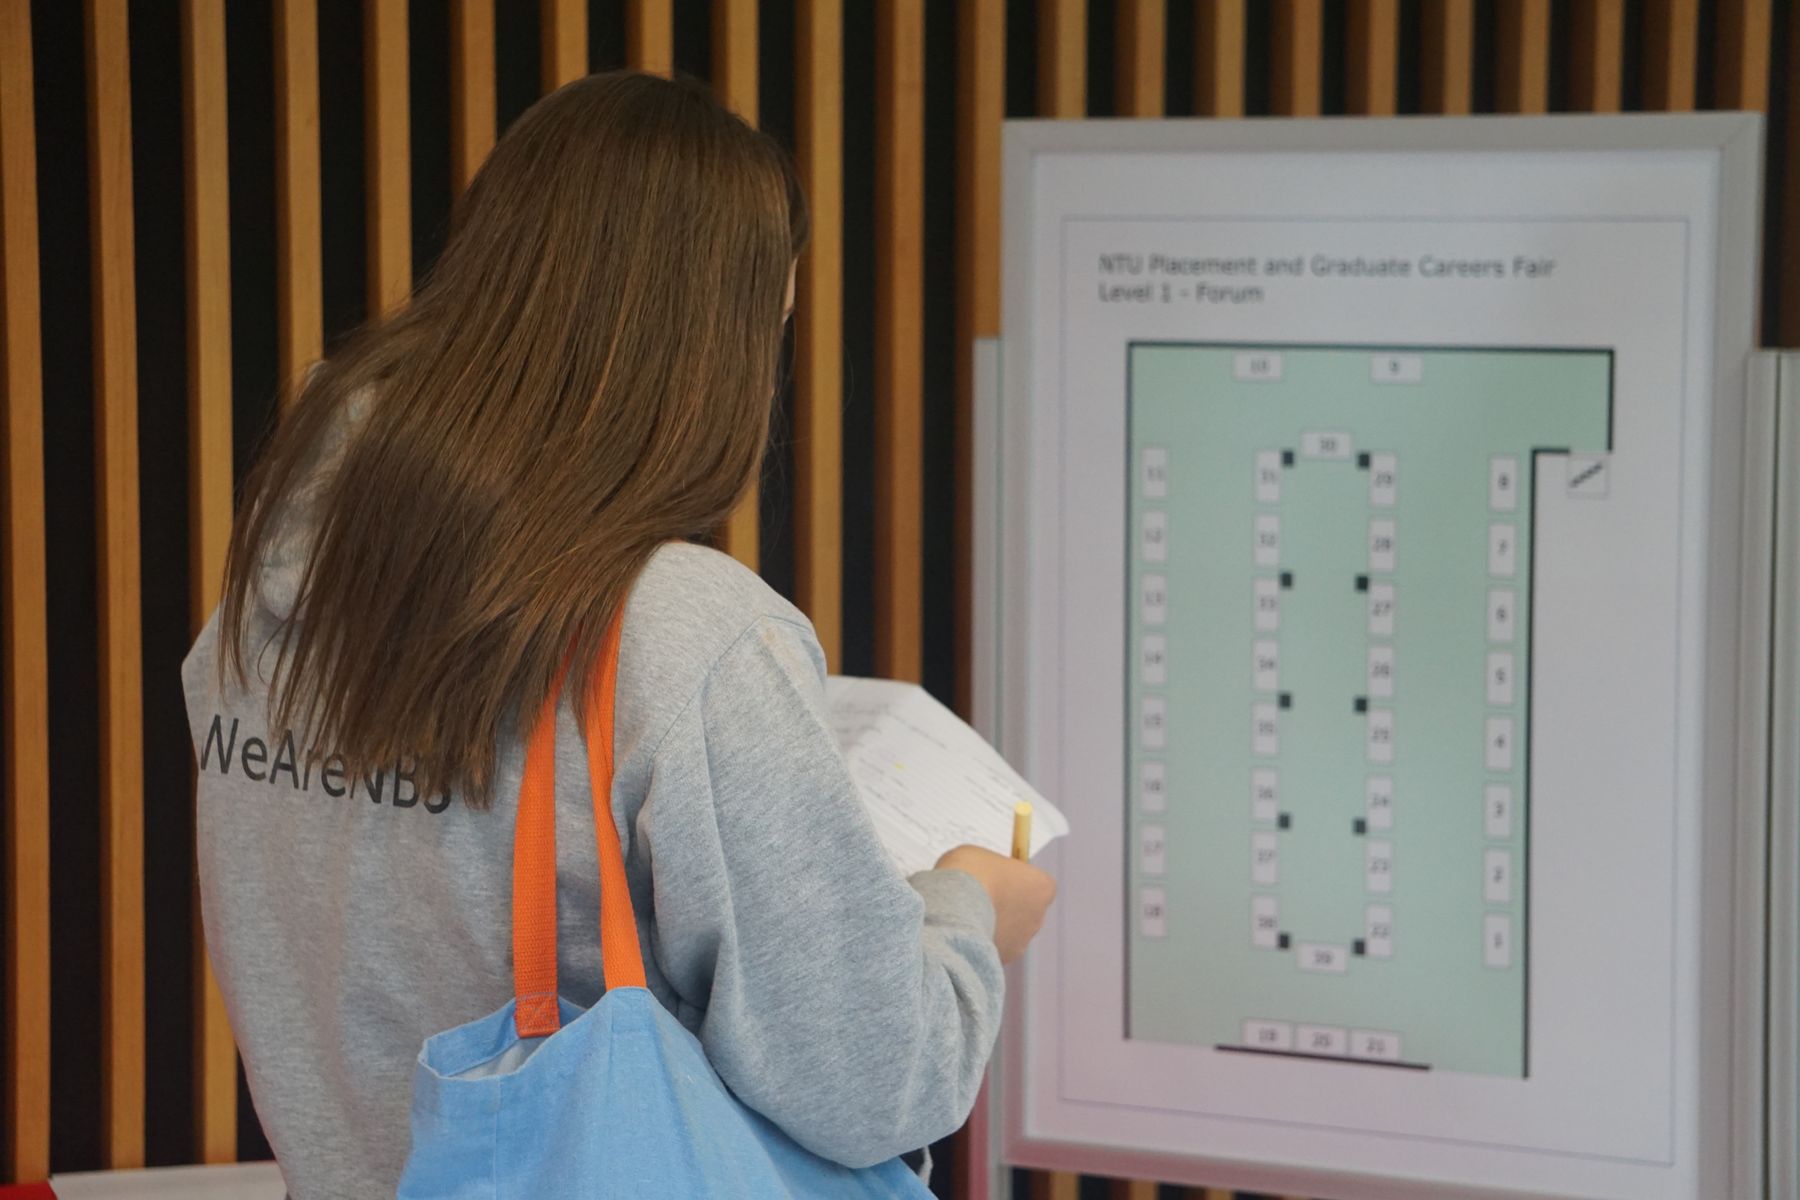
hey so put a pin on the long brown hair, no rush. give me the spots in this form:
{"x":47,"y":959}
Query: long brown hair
{"x":586,"y":375}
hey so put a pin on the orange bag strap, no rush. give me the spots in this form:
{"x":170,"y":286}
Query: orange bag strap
{"x":535,"y":1012}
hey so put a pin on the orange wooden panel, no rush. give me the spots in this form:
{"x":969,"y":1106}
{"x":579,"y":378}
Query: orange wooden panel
{"x":1055,"y":1185}
{"x":209,"y":476}
{"x":300,"y":288}
{"x":25,"y":668}
{"x":735,"y":81}
{"x":980,"y":111}
{"x":899,"y":337}
{"x":1671,"y":52}
{"x":121,"y":656}
{"x":1597,"y":55}
{"x":1741,"y":49}
{"x":1062,"y":58}
{"x":472,"y":88}
{"x":1142,"y":36}
{"x":819,"y":322}
{"x":1219,"y":58}
{"x":1133,"y":1189}
{"x":1524,"y":76}
{"x":1372,"y":69}
{"x":387,"y":154}
{"x":650,"y":36}
{"x":1294,"y":81}
{"x":1448,"y":69}
{"x":563,"y":39}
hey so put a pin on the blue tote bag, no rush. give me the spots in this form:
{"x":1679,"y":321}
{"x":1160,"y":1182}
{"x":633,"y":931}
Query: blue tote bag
{"x":542,"y":1100}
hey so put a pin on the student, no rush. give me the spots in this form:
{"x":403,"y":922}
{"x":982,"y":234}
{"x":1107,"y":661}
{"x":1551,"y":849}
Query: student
{"x":453,"y":507}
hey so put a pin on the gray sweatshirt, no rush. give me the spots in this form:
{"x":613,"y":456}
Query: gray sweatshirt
{"x":350,"y":918}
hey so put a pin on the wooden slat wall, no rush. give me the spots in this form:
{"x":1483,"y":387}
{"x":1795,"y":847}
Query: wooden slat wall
{"x":387,"y":151}
{"x":300,"y":288}
{"x":818,"y":322}
{"x":26,"y":662}
{"x":472,"y":88}
{"x":1524,"y":76}
{"x":208,"y":208}
{"x":1588,"y":64}
{"x":1373,"y":80}
{"x":563,"y":29}
{"x":650,"y":36}
{"x":1448,"y":72}
{"x":734,"y":46}
{"x":980,"y":110}
{"x":1294,"y":75}
{"x":1219,"y":58}
{"x":121,"y":638}
{"x":899,"y":337}
{"x":1671,"y":43}
{"x":1597,"y":53}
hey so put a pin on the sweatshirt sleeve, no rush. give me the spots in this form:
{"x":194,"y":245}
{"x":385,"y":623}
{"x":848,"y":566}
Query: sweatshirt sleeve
{"x":854,"y":1008}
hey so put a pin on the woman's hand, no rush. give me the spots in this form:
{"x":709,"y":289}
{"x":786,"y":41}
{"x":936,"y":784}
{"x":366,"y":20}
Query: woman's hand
{"x":1021,"y":893}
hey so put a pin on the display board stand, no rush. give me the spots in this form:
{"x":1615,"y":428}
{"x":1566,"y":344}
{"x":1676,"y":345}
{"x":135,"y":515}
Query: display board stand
{"x":1322,"y":390}
{"x":1776,"y":393}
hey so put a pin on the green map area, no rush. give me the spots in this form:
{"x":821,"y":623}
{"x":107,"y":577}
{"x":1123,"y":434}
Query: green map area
{"x":1329,"y":691}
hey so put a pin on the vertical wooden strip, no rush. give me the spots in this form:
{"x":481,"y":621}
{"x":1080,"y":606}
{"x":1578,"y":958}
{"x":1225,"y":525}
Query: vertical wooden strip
{"x":1597,"y":55}
{"x":899,"y":337}
{"x":472,"y":89}
{"x":1062,"y":58}
{"x":563,"y":39}
{"x":734,"y":47}
{"x":387,"y":154}
{"x":1139,"y":53}
{"x":819,"y":322}
{"x":1372,"y":69}
{"x":980,"y":113}
{"x":26,"y":665}
{"x":1671,"y":51}
{"x":1062,"y":93}
{"x":650,"y":36}
{"x":1448,"y":73}
{"x":1219,"y":58}
{"x":1524,"y":78}
{"x":121,"y":636}
{"x":1741,"y":51}
{"x":1299,"y":47}
{"x":1133,"y":1189}
{"x":206,"y":162}
{"x":300,"y":292}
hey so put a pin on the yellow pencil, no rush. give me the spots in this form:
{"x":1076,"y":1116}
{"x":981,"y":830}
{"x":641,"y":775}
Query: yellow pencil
{"x":1022,"y":830}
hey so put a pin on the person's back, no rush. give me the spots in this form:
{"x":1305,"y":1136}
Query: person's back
{"x":450,"y":515}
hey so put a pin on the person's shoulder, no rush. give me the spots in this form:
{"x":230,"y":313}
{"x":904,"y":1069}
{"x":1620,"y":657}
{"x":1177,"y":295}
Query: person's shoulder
{"x":695,"y":591}
{"x":689,"y":607}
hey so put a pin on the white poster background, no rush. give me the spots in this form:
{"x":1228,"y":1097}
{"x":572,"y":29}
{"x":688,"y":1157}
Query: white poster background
{"x":1613,"y":1105}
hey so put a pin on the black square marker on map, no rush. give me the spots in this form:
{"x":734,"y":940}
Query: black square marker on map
{"x":1360,"y":704}
{"x":1282,"y":941}
{"x":1362,"y":583}
{"x":1362,"y":461}
{"x":1285,"y":821}
{"x":1287,"y":458}
{"x":1359,"y":826}
{"x":1287,"y":579}
{"x":1286,"y":700}
{"x":1357,"y":948}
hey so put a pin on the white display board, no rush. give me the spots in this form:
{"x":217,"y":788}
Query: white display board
{"x":1367,"y":592}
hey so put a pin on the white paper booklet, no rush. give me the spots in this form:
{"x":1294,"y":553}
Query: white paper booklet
{"x":930,"y":781}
